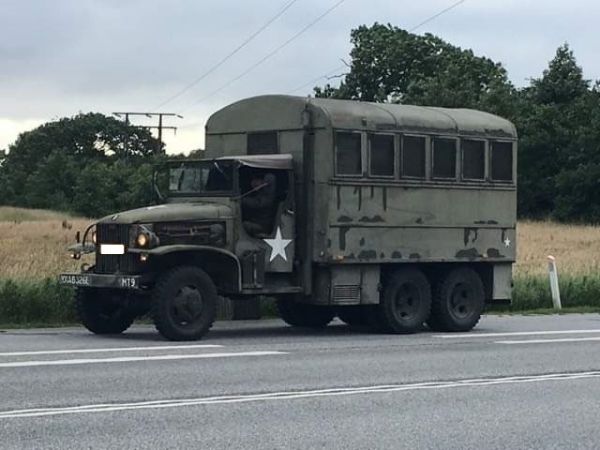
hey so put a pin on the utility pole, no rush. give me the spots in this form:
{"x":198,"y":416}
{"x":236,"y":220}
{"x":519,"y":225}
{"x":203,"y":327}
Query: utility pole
{"x":160,"y":127}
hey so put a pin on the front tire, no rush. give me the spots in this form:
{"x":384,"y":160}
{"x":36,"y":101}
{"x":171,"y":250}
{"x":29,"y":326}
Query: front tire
{"x":103,"y":311}
{"x":458,"y":301}
{"x":184,"y":304}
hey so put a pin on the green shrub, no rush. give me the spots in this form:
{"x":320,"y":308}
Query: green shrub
{"x":35,"y":301}
{"x":533,"y":292}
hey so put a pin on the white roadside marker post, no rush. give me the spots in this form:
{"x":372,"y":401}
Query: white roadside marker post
{"x":554,"y":282}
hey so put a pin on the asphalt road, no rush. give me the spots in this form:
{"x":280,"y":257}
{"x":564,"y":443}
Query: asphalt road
{"x":513,"y":383}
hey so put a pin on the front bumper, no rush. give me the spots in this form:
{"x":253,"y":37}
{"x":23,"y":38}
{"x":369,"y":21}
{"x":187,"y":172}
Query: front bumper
{"x":88,"y":279}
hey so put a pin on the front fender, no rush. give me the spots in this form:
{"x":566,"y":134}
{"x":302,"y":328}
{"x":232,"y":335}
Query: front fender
{"x":224,"y":265}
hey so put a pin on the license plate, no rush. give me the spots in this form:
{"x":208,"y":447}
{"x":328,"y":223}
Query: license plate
{"x":76,"y":280}
{"x":112,"y":249}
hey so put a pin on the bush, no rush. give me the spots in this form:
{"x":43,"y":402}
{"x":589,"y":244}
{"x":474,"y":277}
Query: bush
{"x":35,"y":302}
{"x":532,"y":292}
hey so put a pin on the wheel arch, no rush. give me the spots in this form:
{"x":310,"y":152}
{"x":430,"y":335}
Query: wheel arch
{"x":221,"y":265}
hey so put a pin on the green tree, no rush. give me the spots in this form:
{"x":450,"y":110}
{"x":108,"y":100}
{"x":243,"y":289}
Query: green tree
{"x":389,"y":64}
{"x":44,"y":166}
{"x":558,"y":125}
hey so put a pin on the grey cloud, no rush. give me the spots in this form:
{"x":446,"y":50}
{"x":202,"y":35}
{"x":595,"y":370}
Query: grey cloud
{"x":58,"y":57}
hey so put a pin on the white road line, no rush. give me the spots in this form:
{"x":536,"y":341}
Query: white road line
{"x":109,"y":350}
{"x":476,"y":335}
{"x":68,"y":362}
{"x":291,"y":395}
{"x":549,"y":341}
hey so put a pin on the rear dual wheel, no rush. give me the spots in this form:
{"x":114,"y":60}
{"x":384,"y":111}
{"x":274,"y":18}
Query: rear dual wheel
{"x":458,"y":301}
{"x":405,"y":303}
{"x":455,"y":305}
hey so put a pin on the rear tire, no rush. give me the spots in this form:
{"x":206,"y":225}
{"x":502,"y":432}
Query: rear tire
{"x":103,"y":311}
{"x":405,"y":303}
{"x":184,"y":304}
{"x":458,"y":301}
{"x":304,"y":315}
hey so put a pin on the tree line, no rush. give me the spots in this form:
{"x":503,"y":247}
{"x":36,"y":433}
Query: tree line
{"x":93,"y":165}
{"x":90,"y":165}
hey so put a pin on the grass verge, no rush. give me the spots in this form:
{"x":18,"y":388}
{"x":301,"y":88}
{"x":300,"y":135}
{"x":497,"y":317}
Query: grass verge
{"x":35,"y":303}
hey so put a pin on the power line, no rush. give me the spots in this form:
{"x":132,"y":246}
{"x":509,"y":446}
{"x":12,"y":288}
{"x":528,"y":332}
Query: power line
{"x":222,"y":61}
{"x":327,"y":75}
{"x":435,"y":16}
{"x":160,"y":126}
{"x":286,"y":43}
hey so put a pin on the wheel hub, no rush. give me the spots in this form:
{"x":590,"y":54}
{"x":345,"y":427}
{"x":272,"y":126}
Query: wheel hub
{"x":407,"y":301}
{"x":462,"y":300}
{"x":188,"y":305}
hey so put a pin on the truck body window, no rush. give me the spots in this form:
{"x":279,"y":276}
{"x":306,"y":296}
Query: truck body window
{"x":502,"y":161}
{"x":444,"y":158}
{"x":348,"y":154}
{"x":413,"y":156}
{"x":473,"y":161}
{"x":262,"y":143}
{"x":381,"y":155}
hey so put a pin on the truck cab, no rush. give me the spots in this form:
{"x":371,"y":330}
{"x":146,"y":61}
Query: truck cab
{"x":213,"y":233}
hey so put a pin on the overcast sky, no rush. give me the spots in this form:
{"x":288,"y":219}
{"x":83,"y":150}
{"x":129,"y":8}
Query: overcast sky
{"x":61,"y":57}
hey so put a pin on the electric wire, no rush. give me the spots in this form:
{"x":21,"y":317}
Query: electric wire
{"x":228,"y":56}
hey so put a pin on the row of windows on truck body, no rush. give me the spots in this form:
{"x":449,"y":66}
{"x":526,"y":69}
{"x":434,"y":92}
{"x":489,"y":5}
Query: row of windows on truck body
{"x":390,"y":154}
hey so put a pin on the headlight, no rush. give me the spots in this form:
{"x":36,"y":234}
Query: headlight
{"x":141,"y":240}
{"x":94,"y":237}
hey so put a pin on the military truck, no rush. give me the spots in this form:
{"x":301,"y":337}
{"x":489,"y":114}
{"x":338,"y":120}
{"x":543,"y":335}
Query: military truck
{"x":388,"y":216}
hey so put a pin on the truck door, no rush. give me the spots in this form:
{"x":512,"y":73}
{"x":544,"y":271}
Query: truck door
{"x":281,"y":243}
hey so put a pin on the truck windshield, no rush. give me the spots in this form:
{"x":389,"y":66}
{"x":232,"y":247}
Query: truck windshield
{"x":201,"y":178}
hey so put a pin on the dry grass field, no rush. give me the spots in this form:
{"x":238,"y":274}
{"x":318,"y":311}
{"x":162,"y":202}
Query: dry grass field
{"x":33,"y":244}
{"x":576,"y":248}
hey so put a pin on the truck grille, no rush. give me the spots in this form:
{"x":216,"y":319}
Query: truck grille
{"x":115,"y":234}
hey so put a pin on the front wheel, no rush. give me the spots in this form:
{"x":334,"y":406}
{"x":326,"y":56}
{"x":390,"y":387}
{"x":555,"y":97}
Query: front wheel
{"x":103,"y":311}
{"x":184,"y":304}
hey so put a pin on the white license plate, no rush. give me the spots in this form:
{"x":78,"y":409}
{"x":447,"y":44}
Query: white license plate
{"x":112,"y":249}
{"x":75,"y":280}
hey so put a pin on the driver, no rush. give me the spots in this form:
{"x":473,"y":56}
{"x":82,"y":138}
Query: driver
{"x":258,"y":206}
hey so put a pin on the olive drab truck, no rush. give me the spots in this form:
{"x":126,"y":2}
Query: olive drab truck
{"x":384,"y":215}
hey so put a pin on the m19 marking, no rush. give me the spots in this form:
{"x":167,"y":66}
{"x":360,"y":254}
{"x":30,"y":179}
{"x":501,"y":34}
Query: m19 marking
{"x":128,"y":282}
